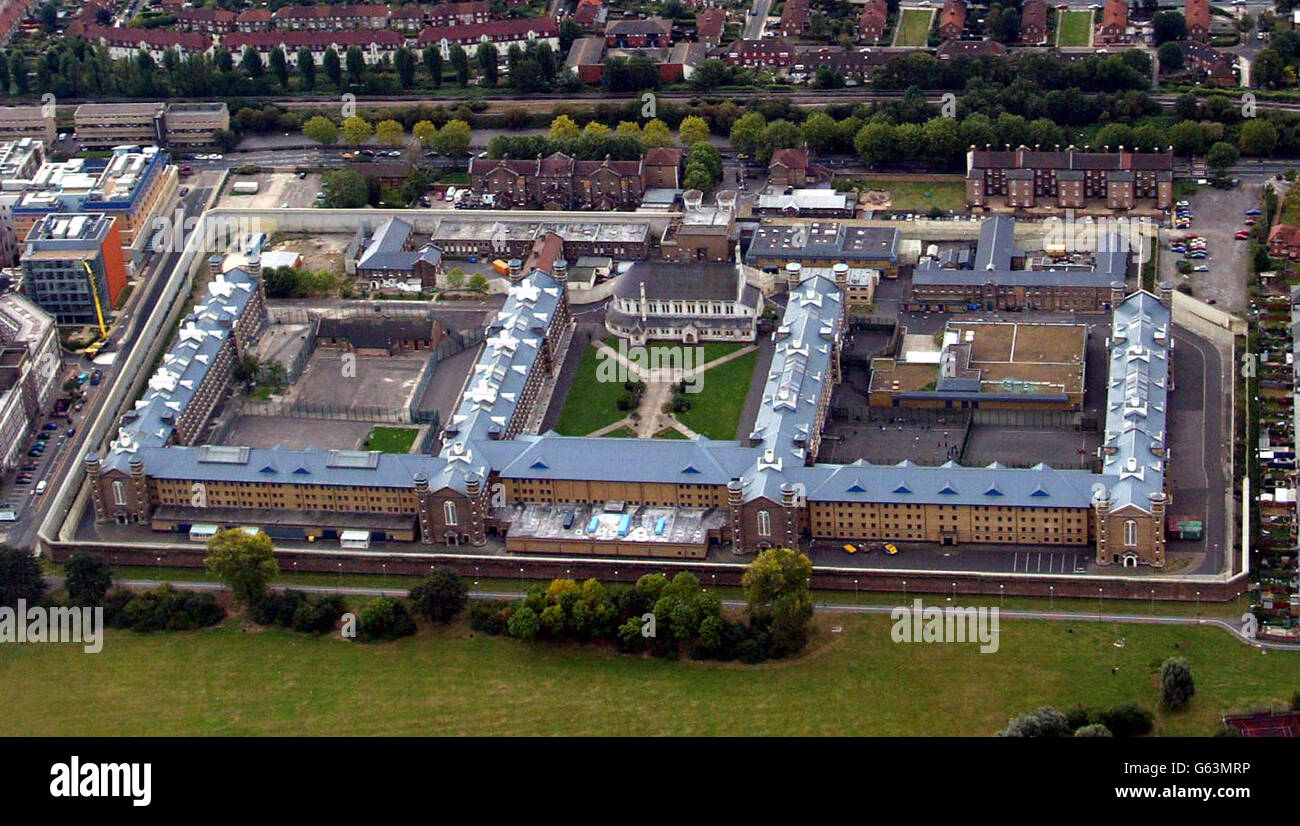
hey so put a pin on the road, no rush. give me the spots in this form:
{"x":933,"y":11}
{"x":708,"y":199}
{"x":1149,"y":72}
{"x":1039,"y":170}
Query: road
{"x":155,"y":273}
{"x":753,"y":29}
{"x":826,"y":607}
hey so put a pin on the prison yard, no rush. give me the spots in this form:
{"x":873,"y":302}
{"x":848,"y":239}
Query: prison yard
{"x":237,"y":680}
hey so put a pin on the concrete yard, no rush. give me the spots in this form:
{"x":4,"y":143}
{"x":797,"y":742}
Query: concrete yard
{"x":270,"y":431}
{"x":278,"y":189}
{"x":377,"y":382}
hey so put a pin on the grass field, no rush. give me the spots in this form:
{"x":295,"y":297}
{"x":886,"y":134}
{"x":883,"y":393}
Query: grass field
{"x":715,"y":410}
{"x":1073,"y":28}
{"x":913,"y":27}
{"x":621,"y":433}
{"x":590,"y":404}
{"x":391,"y":439}
{"x":919,"y":196}
{"x":232,"y":681}
{"x":669,"y":433}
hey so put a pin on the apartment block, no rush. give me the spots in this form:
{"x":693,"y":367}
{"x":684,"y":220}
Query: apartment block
{"x":56,"y":256}
{"x":18,"y":122}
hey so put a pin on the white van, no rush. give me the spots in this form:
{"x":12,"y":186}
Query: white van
{"x":40,"y":487}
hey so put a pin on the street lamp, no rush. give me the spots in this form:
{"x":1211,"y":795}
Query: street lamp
{"x":340,"y":574}
{"x":1051,"y":597}
{"x":384,"y":565}
{"x":954,"y":592}
{"x":1098,"y":603}
{"x":1153,"y":600}
{"x":158,"y":559}
{"x":1198,"y":604}
{"x":904,"y":590}
{"x":1002,"y":596}
{"x":855,"y":590}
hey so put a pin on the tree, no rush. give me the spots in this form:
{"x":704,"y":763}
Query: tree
{"x":820,"y":132}
{"x":1171,"y":57}
{"x":486,"y":57}
{"x":747,"y":132}
{"x":453,"y":138}
{"x":244,"y":562}
{"x":524,"y":624}
{"x":307,"y":68}
{"x":656,"y":133}
{"x":776,"y":587}
{"x":389,"y":132}
{"x":478,"y":282}
{"x":355,"y":62}
{"x":441,"y":596}
{"x":356,"y":130}
{"x":251,"y":63}
{"x":18,"y":71}
{"x":333,"y":68}
{"x":693,"y":129}
{"x":425,"y":132}
{"x":87,"y":579}
{"x":1167,"y":26}
{"x":562,"y":128}
{"x":595,"y":129}
{"x":1257,"y":138}
{"x":1221,"y":156}
{"x":1176,"y":684}
{"x":1045,"y":722}
{"x":280,"y":67}
{"x":20,"y":577}
{"x":1187,"y":138}
{"x":384,"y":618}
{"x":321,"y":129}
{"x":779,"y":134}
{"x":874,"y":143}
{"x":432,"y":57}
{"x":344,"y":189}
{"x":404,"y":63}
{"x":460,"y":65}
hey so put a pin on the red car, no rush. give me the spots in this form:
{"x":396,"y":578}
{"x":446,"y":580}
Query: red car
{"x":1242,"y":234}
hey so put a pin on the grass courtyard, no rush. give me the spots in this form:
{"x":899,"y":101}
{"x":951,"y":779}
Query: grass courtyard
{"x":910,"y":195}
{"x":235,"y":681}
{"x":715,"y":410}
{"x":591,"y":404}
{"x":391,"y":439}
{"x":1073,"y":28}
{"x":913,"y":27}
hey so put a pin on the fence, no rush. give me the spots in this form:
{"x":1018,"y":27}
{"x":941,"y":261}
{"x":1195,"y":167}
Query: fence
{"x":340,"y":413}
{"x":455,"y":342}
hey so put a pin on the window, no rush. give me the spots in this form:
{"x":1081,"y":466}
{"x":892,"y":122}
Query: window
{"x":449,"y":513}
{"x":1130,"y":533}
{"x":764,"y":523}
{"x":119,"y":493}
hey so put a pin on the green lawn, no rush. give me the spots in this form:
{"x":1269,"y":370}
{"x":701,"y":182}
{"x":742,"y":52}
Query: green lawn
{"x":621,"y":433}
{"x":591,"y":404}
{"x":913,"y":27}
{"x":920,"y":196}
{"x":1073,"y":28}
{"x":391,"y":439}
{"x":715,"y":410}
{"x":669,"y":433}
{"x":228,"y":681}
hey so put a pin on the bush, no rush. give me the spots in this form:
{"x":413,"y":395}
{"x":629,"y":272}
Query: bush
{"x":1093,"y":730}
{"x":166,"y":609}
{"x":1126,"y":720}
{"x":524,"y":624}
{"x":1045,"y":722}
{"x":307,"y":614}
{"x":384,"y":618}
{"x":20,"y":577}
{"x":490,"y":616}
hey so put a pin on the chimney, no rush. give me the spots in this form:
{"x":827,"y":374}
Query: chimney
{"x":92,"y":465}
{"x":1167,"y":293}
{"x":214,"y":265}
{"x":516,"y":270}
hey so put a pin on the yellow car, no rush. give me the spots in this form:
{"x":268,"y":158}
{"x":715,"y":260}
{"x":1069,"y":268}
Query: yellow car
{"x":851,"y":549}
{"x":891,"y":548}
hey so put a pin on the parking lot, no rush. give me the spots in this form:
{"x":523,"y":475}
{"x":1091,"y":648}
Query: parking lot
{"x":276,"y":190}
{"x":1217,"y":215}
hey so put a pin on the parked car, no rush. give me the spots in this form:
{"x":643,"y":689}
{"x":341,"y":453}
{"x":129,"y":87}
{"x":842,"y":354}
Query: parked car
{"x":1200,"y":268}
{"x":49,"y":426}
{"x":70,"y":432}
{"x":1253,"y":212}
{"x":28,"y":467}
{"x":891,"y":549}
{"x":1242,"y":235}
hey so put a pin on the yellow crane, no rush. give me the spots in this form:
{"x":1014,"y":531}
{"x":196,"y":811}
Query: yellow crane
{"x":94,"y":292}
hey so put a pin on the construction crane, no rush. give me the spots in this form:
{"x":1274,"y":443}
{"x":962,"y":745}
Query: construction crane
{"x":94,"y":292}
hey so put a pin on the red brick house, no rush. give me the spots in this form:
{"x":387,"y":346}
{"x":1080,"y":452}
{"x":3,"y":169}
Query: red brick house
{"x":1284,"y":242}
{"x":972,"y":48}
{"x":709,"y":24}
{"x":1114,"y":23}
{"x":208,"y":21}
{"x":253,"y":20}
{"x":589,"y":15}
{"x":1033,"y":22}
{"x":788,"y":167}
{"x":653,"y":32}
{"x":1218,"y":67}
{"x":794,"y":18}
{"x":758,"y":54}
{"x":952,"y":20}
{"x":1197,"y":15}
{"x":458,"y":14}
{"x":872,"y":21}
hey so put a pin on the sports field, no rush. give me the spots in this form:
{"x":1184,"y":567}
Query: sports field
{"x":236,"y":681}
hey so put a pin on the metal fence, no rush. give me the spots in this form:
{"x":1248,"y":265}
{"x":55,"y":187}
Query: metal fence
{"x":334,"y":412}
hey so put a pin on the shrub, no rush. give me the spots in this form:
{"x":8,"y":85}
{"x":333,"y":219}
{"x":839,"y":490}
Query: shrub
{"x":524,"y":624}
{"x":87,"y":579}
{"x":305,"y":613}
{"x":20,"y":577}
{"x":490,"y":616}
{"x":166,"y":609}
{"x":384,"y":618}
{"x":1093,"y":730}
{"x":1126,"y":720}
{"x":1045,"y":722}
